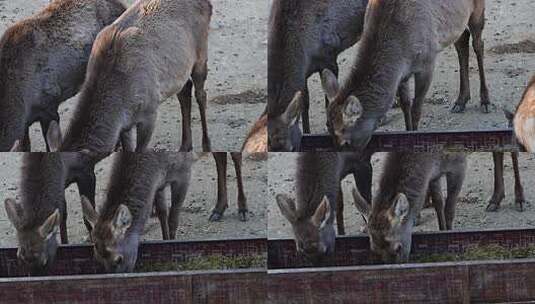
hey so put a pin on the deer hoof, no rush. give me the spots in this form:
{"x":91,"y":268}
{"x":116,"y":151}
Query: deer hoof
{"x":215,"y":217}
{"x":519,"y":206}
{"x":485,"y":108}
{"x":242,"y":214}
{"x":492,"y":207}
{"x":458,"y":108}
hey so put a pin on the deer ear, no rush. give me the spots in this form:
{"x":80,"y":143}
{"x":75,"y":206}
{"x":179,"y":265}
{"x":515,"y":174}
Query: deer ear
{"x":294,"y":109}
{"x":401,"y":208}
{"x":14,"y":212}
{"x":16,"y":147}
{"x":53,"y":136}
{"x":287,"y":207}
{"x":51,"y":225}
{"x":352,"y":111}
{"x":121,"y":220}
{"x":330,"y":84}
{"x":362,"y":205}
{"x":89,"y":212}
{"x":322,"y":212}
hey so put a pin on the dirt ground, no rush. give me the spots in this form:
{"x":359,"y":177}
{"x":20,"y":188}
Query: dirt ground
{"x":471,"y":214}
{"x":236,"y":81}
{"x":197,"y":207}
{"x":509,"y":37}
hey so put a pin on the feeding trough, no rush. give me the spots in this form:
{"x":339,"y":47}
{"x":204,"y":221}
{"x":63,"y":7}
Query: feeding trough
{"x":77,"y":278}
{"x":495,"y":140}
{"x":350,"y":277}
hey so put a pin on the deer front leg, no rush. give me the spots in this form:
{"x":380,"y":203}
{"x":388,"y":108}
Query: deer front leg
{"x":463,"y":52}
{"x":438,"y":203}
{"x":305,"y":109}
{"x":178,"y":195}
{"x":163,"y":212}
{"x":222,"y":198}
{"x":405,"y":103}
{"x":499,"y":192}
{"x":476,"y":25}
{"x":242,"y":200}
{"x":184,"y":97}
{"x":199,"y":75}
{"x":422,"y":83}
{"x":519,"y":190}
{"x":340,"y":211}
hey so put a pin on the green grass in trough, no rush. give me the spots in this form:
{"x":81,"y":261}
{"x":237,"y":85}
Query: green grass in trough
{"x":473,"y":253}
{"x":206,"y":263}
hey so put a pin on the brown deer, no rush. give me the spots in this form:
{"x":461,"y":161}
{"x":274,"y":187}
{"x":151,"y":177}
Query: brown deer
{"x":498,"y":157}
{"x":312,"y":213}
{"x":524,"y":118}
{"x":403,"y":188}
{"x":156,"y":49}
{"x":402,"y":39}
{"x":43,"y":60}
{"x":257,"y":139}
{"x":138,"y":180}
{"x":305,"y":37}
{"x":43,"y":209}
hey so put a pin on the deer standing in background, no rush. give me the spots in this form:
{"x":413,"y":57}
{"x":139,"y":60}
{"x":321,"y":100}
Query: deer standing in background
{"x":43,"y":60}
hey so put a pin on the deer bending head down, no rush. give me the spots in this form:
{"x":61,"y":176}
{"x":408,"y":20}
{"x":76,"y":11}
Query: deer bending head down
{"x":402,"y":39}
{"x":312,"y":213}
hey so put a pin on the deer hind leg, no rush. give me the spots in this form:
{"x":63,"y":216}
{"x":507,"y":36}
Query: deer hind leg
{"x":463,"y":52}
{"x":405,"y":103}
{"x":422,"y":82}
{"x":200,"y":72}
{"x":178,"y":195}
{"x":222,"y":196}
{"x":184,"y":97}
{"x":435,"y":190}
{"x":519,"y":190}
{"x":476,"y":25}
{"x":163,"y":212}
{"x":242,"y":200}
{"x":499,"y":191}
{"x":45,"y":124}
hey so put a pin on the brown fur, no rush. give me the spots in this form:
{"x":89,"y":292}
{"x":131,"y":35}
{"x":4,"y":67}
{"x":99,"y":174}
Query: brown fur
{"x":401,"y":39}
{"x":402,"y":191}
{"x":525,"y":112}
{"x":145,"y":57}
{"x":256,"y":141}
{"x":305,"y":37}
{"x":43,"y":61}
{"x":138,"y":180}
